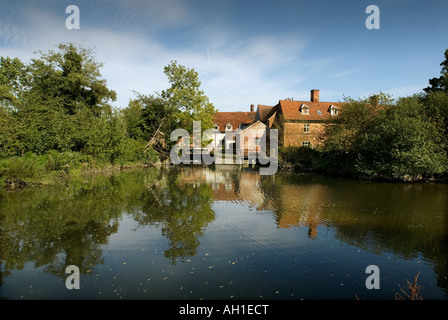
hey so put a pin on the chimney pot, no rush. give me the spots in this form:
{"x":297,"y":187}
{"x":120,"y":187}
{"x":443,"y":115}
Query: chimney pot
{"x":251,"y":107}
{"x":314,"y":95}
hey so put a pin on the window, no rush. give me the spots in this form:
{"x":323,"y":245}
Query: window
{"x":333,"y":110}
{"x":216,"y":127}
{"x":304,"y":109}
{"x":306,"y":144}
{"x":228,"y":126}
{"x":306,"y":128}
{"x":319,"y":112}
{"x":258,"y":141}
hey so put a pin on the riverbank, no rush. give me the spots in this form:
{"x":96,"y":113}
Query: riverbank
{"x":33,"y":170}
{"x":307,"y":160}
{"x":299,"y":169}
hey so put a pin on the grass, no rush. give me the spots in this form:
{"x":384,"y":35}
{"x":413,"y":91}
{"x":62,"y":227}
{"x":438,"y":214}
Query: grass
{"x":411,"y":294}
{"x":53,"y":167}
{"x":413,"y":291}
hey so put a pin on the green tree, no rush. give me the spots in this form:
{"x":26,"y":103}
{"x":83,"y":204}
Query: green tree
{"x":12,"y":81}
{"x":70,"y":78}
{"x":54,"y":102}
{"x":391,"y":139}
{"x":132,"y":116}
{"x":12,"y":87}
{"x":344,"y":132}
{"x":435,"y":100}
{"x":403,"y":143}
{"x":175,"y":107}
{"x":186,"y":98}
{"x":440,"y":83}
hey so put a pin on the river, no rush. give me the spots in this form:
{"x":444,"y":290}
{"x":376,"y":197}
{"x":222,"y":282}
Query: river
{"x":222,"y":233}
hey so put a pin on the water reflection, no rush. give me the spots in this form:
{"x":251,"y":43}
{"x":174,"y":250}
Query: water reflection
{"x":56,"y":227}
{"x":405,"y":219}
{"x":53,"y":227}
{"x":183,"y":210}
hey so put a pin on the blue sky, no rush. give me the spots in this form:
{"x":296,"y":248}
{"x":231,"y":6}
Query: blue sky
{"x":246,"y":52}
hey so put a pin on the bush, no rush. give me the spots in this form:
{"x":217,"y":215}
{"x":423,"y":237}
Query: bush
{"x":134,"y":152}
{"x":393,"y":140}
{"x":20,"y":169}
{"x":298,"y":158}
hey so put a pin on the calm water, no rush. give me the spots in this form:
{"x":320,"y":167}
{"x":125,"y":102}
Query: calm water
{"x":197,"y":233}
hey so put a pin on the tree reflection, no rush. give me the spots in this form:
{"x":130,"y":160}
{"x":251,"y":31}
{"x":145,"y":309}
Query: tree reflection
{"x":53,"y":227}
{"x":56,"y":227}
{"x":182,"y":209}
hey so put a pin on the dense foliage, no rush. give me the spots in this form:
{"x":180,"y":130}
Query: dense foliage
{"x":152,"y":117}
{"x":392,"y":139}
{"x":56,"y":115}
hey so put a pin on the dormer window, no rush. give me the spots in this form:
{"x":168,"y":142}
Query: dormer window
{"x":216,"y":127}
{"x":228,"y":126}
{"x":334,"y":110}
{"x":304,"y":109}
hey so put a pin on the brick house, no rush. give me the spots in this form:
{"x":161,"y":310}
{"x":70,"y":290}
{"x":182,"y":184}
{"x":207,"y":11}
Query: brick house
{"x":300,"y":122}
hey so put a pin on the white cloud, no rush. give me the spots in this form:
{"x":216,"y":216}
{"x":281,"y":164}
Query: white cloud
{"x":346,"y":73}
{"x":249,"y":71}
{"x":235,"y":71}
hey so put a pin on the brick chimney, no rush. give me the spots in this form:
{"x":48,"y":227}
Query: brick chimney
{"x":314,"y":95}
{"x":252,"y":108}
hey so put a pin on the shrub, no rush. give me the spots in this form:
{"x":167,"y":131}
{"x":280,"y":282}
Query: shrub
{"x":21,"y":169}
{"x":298,"y":158}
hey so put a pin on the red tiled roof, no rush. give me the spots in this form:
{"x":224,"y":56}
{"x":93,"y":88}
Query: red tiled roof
{"x":234,"y":118}
{"x":262,"y":112}
{"x":317,"y":110}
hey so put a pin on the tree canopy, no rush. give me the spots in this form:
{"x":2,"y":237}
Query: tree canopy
{"x":57,"y":106}
{"x":154,"y":116}
{"x":392,"y":139}
{"x":440,"y":83}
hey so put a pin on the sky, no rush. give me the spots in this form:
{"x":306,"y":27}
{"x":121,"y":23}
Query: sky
{"x":245,"y":52}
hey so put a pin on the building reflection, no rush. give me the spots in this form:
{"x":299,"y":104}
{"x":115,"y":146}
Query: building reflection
{"x":301,"y":205}
{"x":293,"y":205}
